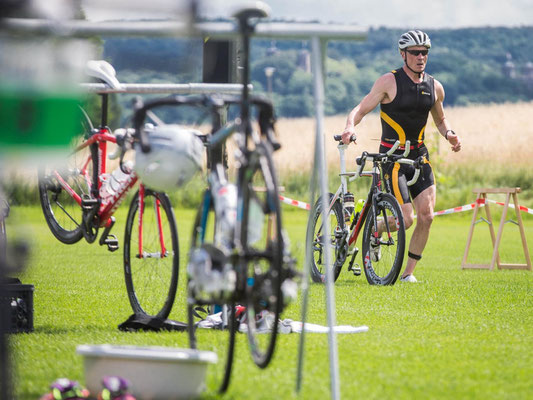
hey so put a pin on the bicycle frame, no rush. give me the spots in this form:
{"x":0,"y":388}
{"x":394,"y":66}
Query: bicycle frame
{"x":346,"y":177}
{"x":375,"y":174}
{"x":108,"y":208}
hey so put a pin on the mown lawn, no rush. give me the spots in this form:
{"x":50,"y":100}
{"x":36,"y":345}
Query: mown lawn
{"x":456,"y":334}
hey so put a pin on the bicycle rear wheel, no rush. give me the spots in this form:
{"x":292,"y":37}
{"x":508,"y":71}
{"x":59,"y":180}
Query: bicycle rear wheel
{"x":262,"y":242}
{"x":336,"y":226}
{"x":383,"y":261}
{"x":201,"y":335}
{"x":59,"y":188}
{"x":151,"y":255}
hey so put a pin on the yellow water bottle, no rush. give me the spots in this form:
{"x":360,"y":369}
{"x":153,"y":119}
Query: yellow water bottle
{"x":357,"y":210}
{"x":359,"y":206}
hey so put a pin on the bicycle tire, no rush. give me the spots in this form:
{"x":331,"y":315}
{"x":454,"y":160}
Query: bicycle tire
{"x":318,"y":272}
{"x":384,"y":270}
{"x":61,"y":212}
{"x":219,"y":374}
{"x":151,"y":280}
{"x":262,"y":242}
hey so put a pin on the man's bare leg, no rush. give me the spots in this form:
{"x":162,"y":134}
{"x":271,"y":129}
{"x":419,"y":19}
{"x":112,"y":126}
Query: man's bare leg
{"x":424,"y":204}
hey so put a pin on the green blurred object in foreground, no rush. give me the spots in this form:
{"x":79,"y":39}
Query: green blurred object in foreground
{"x":37,"y":119}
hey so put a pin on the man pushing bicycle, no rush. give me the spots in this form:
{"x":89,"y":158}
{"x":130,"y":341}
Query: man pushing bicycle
{"x":406,"y":97}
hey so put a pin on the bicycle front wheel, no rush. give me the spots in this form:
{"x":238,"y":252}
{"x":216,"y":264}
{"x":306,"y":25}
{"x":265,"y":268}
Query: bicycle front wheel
{"x":261,"y":239}
{"x":60,"y":191}
{"x":151,"y":254}
{"x":383,"y":250}
{"x":320,"y":238}
{"x":200,"y":337}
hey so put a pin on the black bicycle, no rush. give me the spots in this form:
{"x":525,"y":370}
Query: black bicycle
{"x":240,"y":271}
{"x":384,"y":232}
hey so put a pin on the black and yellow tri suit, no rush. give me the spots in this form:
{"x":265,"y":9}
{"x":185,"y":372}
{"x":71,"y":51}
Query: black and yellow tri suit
{"x":405,"y":118}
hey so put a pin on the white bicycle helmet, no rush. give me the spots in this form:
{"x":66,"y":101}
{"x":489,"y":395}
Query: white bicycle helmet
{"x":175,"y":156}
{"x":414,"y":38}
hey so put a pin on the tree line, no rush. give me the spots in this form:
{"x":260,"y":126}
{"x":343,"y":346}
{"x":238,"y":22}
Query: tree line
{"x":476,"y":65}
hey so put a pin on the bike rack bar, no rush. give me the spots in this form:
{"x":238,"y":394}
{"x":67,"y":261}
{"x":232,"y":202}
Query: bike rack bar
{"x":170,"y":28}
{"x":175,"y":88}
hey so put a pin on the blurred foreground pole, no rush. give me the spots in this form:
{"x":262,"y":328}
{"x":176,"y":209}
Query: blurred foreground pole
{"x":5,"y":370}
{"x":38,"y":117}
{"x":319,"y":176}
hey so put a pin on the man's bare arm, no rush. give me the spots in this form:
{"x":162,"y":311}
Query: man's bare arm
{"x":437,"y":112}
{"x":380,"y":91}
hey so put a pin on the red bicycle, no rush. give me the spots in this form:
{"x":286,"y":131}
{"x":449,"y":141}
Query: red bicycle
{"x":81,"y":197}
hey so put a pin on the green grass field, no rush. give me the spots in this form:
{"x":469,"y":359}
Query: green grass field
{"x":456,"y":334}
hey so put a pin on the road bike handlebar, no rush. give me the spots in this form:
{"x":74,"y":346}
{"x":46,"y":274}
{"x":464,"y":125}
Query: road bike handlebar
{"x":390,"y":157}
{"x":338,"y":138}
{"x":214,"y":103}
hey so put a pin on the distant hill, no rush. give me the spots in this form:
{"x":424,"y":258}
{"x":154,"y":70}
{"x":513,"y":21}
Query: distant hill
{"x":476,"y":65}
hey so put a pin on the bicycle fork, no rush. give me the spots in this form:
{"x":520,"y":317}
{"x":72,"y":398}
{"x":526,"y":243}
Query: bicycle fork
{"x":162,"y":253}
{"x":385,"y":223}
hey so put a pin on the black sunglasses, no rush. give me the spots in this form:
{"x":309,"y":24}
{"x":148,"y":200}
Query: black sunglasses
{"x":417,"y":52}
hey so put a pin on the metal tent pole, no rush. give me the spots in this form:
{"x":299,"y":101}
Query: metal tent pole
{"x":170,"y":28}
{"x":174,"y":88}
{"x":318,"y":47}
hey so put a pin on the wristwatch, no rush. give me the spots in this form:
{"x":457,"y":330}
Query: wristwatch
{"x":446,"y":134}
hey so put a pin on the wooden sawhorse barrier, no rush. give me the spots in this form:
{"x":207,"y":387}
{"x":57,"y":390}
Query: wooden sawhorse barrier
{"x":482,"y":199}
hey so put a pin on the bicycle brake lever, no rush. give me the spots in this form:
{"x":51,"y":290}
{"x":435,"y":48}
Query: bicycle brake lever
{"x":407,"y":148}
{"x":393,"y":148}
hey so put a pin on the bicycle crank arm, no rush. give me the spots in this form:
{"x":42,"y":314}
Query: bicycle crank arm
{"x":110,"y":240}
{"x":89,"y":207}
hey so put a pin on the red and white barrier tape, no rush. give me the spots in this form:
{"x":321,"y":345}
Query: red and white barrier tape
{"x":467,"y":207}
{"x":522,"y":208}
{"x":295,"y":203}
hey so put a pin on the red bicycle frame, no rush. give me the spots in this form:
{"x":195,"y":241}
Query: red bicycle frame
{"x":108,"y":207}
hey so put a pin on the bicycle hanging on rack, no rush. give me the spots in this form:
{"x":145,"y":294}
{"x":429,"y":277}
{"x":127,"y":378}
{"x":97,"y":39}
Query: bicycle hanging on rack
{"x":80,"y":197}
{"x":239,"y":260}
{"x":383,"y":238}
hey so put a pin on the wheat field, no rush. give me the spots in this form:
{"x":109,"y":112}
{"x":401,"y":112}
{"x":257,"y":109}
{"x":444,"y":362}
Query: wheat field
{"x":491,"y":135}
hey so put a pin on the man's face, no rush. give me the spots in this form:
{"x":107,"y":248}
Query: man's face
{"x":416,"y":59}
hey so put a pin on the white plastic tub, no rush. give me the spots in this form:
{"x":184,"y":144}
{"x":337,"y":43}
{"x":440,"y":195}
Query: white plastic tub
{"x":153,"y":372}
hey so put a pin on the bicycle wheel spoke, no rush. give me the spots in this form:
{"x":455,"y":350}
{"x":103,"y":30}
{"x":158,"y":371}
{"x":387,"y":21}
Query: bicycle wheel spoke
{"x":321,"y":239}
{"x":63,"y":214}
{"x":67,"y":213}
{"x":383,"y":258}
{"x":262,"y":242}
{"x":220,"y":338}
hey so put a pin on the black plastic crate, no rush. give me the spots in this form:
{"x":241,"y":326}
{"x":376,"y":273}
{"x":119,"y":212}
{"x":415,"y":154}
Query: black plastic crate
{"x":16,"y":300}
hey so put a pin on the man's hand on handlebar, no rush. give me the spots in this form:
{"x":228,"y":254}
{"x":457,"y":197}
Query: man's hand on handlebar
{"x":348,"y":135}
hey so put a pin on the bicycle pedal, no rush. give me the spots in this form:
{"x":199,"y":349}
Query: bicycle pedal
{"x":356,"y":270}
{"x":112,"y":242}
{"x":88,"y":203}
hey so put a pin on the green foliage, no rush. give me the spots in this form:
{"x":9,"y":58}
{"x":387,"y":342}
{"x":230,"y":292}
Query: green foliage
{"x":469,"y":62}
{"x":92,"y":104}
{"x":157,"y":54}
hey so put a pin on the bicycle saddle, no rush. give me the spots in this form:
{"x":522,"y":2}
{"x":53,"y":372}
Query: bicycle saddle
{"x":256,"y":9}
{"x":104,"y":71}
